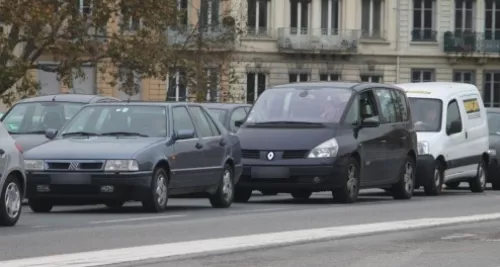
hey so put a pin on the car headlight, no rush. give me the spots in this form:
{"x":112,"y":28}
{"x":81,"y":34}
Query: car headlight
{"x":121,"y":165}
{"x":492,"y":152}
{"x":34,"y":165}
{"x":423,"y":147}
{"x":327,"y":149}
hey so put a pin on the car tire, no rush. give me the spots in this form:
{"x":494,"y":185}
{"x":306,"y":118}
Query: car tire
{"x":494,"y":176}
{"x":268,"y":193}
{"x":478,"y":183}
{"x":349,"y":192}
{"x":40,"y":205}
{"x":224,"y":196}
{"x":156,"y":200}
{"x":302,"y":195}
{"x":452,"y":185}
{"x":114,"y":204}
{"x":435,"y":187}
{"x":242,"y":195}
{"x":404,"y":188}
{"x":10,"y":202}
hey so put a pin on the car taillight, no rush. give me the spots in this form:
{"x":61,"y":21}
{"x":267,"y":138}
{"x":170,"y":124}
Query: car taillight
{"x":19,"y":147}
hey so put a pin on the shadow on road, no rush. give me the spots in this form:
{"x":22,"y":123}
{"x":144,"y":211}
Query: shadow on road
{"x":99,"y":209}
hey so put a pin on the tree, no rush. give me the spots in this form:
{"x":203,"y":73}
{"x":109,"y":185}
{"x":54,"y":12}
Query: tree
{"x":127,"y":39}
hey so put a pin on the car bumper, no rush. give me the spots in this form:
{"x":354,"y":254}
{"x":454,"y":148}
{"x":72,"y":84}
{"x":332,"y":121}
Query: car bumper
{"x":291,"y":175}
{"x":65,"y":186}
{"x":426,"y":164}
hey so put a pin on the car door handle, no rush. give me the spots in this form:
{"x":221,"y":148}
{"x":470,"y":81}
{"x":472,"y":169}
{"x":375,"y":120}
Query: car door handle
{"x":198,"y":146}
{"x":222,"y":142}
{"x":383,"y":141}
{"x":466,"y":135}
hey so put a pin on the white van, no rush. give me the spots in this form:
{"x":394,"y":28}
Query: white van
{"x":452,"y":133}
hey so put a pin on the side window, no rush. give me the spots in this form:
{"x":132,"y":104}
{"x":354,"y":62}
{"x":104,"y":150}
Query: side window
{"x":387,"y":105}
{"x":453,"y":119}
{"x":367,"y":105}
{"x":202,"y":122}
{"x":182,"y":120}
{"x":471,"y":106}
{"x":213,"y":125}
{"x":402,"y":104}
{"x":237,"y":115}
{"x":352,"y":115}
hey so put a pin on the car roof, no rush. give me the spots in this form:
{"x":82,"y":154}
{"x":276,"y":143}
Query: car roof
{"x":78,"y":98}
{"x":440,"y":90}
{"x":356,"y":86}
{"x":224,"y":105}
{"x":145,"y":103}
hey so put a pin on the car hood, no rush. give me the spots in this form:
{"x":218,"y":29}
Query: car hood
{"x":283,"y":139}
{"x":29,"y":141}
{"x":90,"y":148}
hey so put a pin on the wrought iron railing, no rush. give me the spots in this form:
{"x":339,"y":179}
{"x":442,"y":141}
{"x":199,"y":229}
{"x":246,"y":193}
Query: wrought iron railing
{"x":470,"y":42}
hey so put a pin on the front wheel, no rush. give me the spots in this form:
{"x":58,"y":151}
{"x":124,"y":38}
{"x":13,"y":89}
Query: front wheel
{"x":404,"y":188}
{"x":156,"y":200}
{"x":10,"y":202}
{"x":435,"y":186}
{"x":478,"y":183}
{"x":223,"y":198}
{"x":348,"y":193}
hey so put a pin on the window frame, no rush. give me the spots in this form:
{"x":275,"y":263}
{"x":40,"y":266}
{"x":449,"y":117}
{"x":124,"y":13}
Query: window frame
{"x":254,"y":14}
{"x":490,"y":100}
{"x":462,"y":9}
{"x":370,"y":78}
{"x":330,"y":77}
{"x":256,"y":85}
{"x":386,"y":119}
{"x":376,"y":103}
{"x":421,"y":75}
{"x":371,"y":19}
{"x":298,"y":77}
{"x":419,"y":30}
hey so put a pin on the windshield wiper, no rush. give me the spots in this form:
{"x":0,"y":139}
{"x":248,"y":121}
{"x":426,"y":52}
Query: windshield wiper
{"x":125,"y":133}
{"x":81,"y":133}
{"x":32,"y":132}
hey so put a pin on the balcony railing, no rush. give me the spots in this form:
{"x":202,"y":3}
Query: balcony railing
{"x":318,"y":39}
{"x":470,"y":42}
{"x":424,"y":35}
{"x":210,"y":35}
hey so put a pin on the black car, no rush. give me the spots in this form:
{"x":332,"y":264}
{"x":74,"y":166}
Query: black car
{"x":111,"y":153}
{"x":328,"y":136}
{"x":493,"y":176}
{"x":228,"y":114}
{"x":28,"y":119}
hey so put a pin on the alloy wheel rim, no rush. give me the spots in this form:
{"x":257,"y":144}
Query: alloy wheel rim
{"x":482,"y":177}
{"x":437,"y":178}
{"x":227,"y":185}
{"x":352,"y":181}
{"x":161,"y":190}
{"x":408,"y":177}
{"x":12,"y":200}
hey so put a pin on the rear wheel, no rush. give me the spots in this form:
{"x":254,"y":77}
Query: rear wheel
{"x":435,"y":187}
{"x":223,"y":198}
{"x":40,"y":205}
{"x":10,"y":202}
{"x":156,"y":200}
{"x":452,"y":185}
{"x":242,"y":195}
{"x":301,"y":194}
{"x":478,"y":183}
{"x":405,"y":187}
{"x":348,"y":193}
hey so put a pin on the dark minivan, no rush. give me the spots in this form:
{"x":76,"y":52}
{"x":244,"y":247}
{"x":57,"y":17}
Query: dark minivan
{"x":302,"y":138}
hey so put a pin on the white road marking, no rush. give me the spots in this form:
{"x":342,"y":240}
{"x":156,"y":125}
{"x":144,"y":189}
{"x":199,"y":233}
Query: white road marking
{"x":138,"y":219}
{"x":457,"y":236}
{"x":133,"y":254}
{"x":258,"y":210}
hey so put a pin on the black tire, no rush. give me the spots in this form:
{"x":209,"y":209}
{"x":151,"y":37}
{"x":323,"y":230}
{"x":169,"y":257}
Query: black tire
{"x":114,"y":204}
{"x":478,"y":183}
{"x":242,"y":195}
{"x":452,"y":185}
{"x":223,"y":198}
{"x":268,"y":193}
{"x":157,"y":201}
{"x":40,"y":205}
{"x":10,"y":212}
{"x":494,"y":176}
{"x":435,"y":187}
{"x":301,"y":195}
{"x":404,"y":188}
{"x":349,"y":192}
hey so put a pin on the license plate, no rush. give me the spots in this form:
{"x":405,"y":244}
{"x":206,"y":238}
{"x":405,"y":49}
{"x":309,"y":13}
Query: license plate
{"x":270,"y":172}
{"x":77,"y":178}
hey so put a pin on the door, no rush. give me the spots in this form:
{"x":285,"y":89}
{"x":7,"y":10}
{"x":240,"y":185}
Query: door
{"x":373,"y":141}
{"x":188,"y":166}
{"x":214,"y":145}
{"x":455,"y":145}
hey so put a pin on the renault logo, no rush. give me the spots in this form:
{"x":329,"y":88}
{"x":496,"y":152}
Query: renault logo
{"x":73,"y":165}
{"x":270,"y":156}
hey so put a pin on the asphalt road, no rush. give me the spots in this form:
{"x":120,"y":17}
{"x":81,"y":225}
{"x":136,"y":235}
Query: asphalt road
{"x":90,"y":228}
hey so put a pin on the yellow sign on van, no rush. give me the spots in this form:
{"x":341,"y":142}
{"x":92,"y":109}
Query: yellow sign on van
{"x":418,"y":92}
{"x":471,"y":105}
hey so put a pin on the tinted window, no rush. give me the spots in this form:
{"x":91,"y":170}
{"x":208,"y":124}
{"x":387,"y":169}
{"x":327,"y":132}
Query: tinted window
{"x":367,"y":105}
{"x":182,"y":120}
{"x":219,"y":114}
{"x":202,"y":122}
{"x":237,"y":115}
{"x":453,"y":114}
{"x":401,"y":104}
{"x":387,"y":105}
{"x":149,"y":121}
{"x":321,"y":105}
{"x":426,"y":113}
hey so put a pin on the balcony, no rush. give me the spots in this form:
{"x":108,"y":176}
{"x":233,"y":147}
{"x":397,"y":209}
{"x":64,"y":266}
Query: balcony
{"x":318,"y":40}
{"x":210,"y":36}
{"x":470,"y":42}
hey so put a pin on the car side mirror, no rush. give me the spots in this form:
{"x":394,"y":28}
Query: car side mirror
{"x":238,"y":123}
{"x":50,"y":133}
{"x":455,"y":127}
{"x":184,"y":134}
{"x":370,"y":122}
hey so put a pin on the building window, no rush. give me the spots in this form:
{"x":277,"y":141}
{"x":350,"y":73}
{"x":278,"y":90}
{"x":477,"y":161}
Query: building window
{"x":176,"y":86}
{"x":299,"y":17}
{"x":330,"y":17}
{"x":209,"y":14}
{"x":129,"y":84}
{"x":258,"y":17}
{"x":256,"y":84}
{"x":371,"y":78}
{"x":420,"y":75}
{"x":464,"y":76}
{"x":424,"y":20}
{"x":85,"y":7}
{"x":464,"y":15}
{"x":213,"y":85}
{"x":491,"y":93}
{"x":329,"y":77}
{"x":298,"y":77}
{"x":182,"y":8}
{"x":372,"y":18}
{"x":492,"y":27}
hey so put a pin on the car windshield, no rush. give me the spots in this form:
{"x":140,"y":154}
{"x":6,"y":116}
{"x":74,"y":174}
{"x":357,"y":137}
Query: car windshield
{"x":118,"y":120}
{"x":426,"y":113}
{"x":494,"y":123}
{"x":218,"y":113}
{"x":36,"y":117}
{"x":299,"y":105}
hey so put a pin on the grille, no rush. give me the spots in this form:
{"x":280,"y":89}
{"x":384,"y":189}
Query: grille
{"x":75,"y":166}
{"x":250,"y":154}
{"x":58,"y":165}
{"x":90,"y":166}
{"x":294,"y":154}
